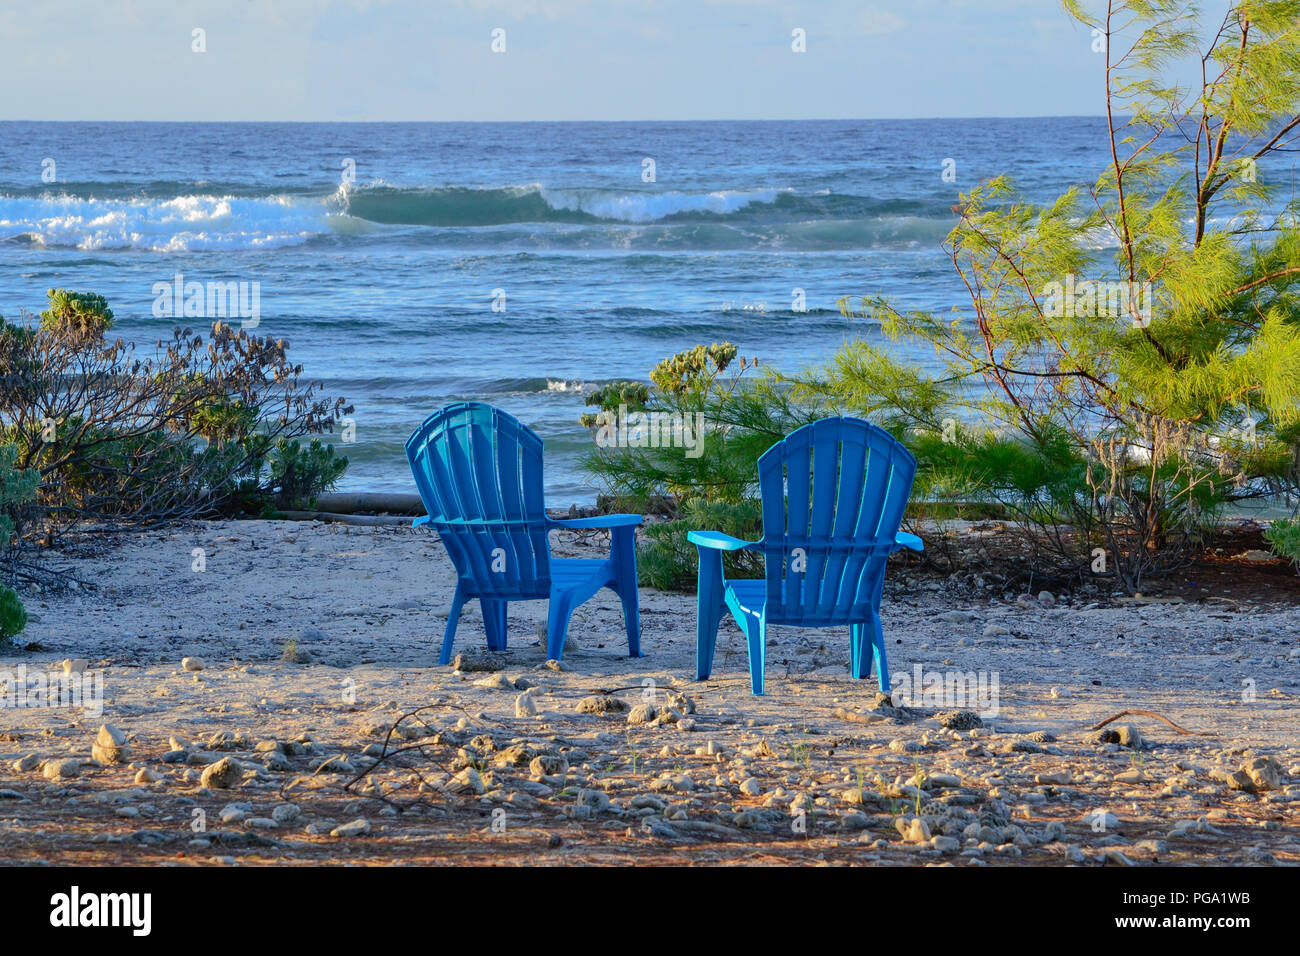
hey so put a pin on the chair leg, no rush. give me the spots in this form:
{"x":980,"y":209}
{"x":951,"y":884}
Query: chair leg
{"x":557,"y":627}
{"x":623,"y":553}
{"x":708,"y":610}
{"x":632,"y":619}
{"x":859,"y":641}
{"x":494,"y":623}
{"x":756,"y":637}
{"x":878,"y":651}
{"x":453,"y":618}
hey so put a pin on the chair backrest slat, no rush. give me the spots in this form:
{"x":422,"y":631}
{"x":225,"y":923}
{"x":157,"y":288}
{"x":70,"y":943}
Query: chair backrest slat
{"x":841,"y":566}
{"x":833,"y":495}
{"x":510,"y":488}
{"x":882,"y":463}
{"x":825,"y":492}
{"x":479,"y":474}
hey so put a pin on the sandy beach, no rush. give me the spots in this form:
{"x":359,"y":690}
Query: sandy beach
{"x":307,"y":642}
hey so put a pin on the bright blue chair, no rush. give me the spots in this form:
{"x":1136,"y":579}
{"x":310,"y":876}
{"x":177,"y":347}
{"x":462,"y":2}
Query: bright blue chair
{"x":833,"y":495}
{"x":479,"y":474}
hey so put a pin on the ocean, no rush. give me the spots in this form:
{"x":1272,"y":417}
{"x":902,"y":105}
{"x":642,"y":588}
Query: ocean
{"x":414,"y":264}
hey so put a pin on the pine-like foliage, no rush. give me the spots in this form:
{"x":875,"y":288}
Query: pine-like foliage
{"x":1113,"y":395}
{"x":731,"y":411}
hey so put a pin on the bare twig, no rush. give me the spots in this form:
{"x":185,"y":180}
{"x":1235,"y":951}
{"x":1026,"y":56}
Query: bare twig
{"x":1151,"y":713}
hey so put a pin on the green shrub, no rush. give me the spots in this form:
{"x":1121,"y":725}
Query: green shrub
{"x":82,"y":313}
{"x":299,"y":474}
{"x":13,"y":616}
{"x":200,"y":427}
{"x":738,"y":413}
{"x":17,"y":487}
{"x":1284,"y":538}
{"x":668,"y":561}
{"x":615,"y":395}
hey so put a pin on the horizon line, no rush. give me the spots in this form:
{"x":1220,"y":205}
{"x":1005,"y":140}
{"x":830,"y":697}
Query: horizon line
{"x":802,"y":119}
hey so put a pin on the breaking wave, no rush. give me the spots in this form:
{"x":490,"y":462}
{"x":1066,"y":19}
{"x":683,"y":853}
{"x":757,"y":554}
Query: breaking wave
{"x":155,"y":218}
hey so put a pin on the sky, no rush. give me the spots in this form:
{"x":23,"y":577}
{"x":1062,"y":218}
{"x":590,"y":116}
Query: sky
{"x":392,"y":60}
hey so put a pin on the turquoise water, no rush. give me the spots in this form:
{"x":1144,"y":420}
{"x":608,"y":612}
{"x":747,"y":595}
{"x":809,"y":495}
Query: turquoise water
{"x":378,"y":249}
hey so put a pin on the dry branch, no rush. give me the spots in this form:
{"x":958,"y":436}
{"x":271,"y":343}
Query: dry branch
{"x":1151,"y":713}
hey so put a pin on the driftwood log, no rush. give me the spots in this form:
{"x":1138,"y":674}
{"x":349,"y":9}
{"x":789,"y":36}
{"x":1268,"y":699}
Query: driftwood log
{"x":331,"y":517}
{"x":383,"y":508}
{"x":361,"y":508}
{"x":370,"y":502}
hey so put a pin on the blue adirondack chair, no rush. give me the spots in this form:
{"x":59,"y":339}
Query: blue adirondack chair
{"x":833,"y":495}
{"x":479,"y":474}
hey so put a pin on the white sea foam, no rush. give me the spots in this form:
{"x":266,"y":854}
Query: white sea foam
{"x":649,"y":207}
{"x":196,"y":222}
{"x":563,"y":385}
{"x":179,"y":224}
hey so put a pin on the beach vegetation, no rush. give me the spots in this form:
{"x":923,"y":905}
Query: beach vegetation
{"x":713,"y":483}
{"x":1120,"y":422}
{"x":13,"y":616}
{"x":298,"y":473}
{"x":1283,"y":537}
{"x":79,"y":314}
{"x":1126,"y":365}
{"x":17,"y":486}
{"x":208,"y":424}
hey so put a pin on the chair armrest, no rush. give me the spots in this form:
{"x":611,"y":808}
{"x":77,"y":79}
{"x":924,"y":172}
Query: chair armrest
{"x":905,"y":540}
{"x":419,"y":521}
{"x":600,"y":521}
{"x":718,"y":541}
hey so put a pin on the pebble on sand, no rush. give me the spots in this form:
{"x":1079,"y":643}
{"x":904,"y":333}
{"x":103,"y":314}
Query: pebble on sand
{"x":286,"y":813}
{"x":109,"y":747}
{"x":467,"y":781}
{"x":495,"y":681}
{"x":601,"y":704}
{"x":1101,"y":820}
{"x":470,"y":661}
{"x":1261,"y":773}
{"x":914,"y":830}
{"x":1126,"y":735}
{"x":64,"y":769}
{"x":641,"y":714}
{"x":27,"y":764}
{"x":356,"y":828}
{"x":222,"y":775}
